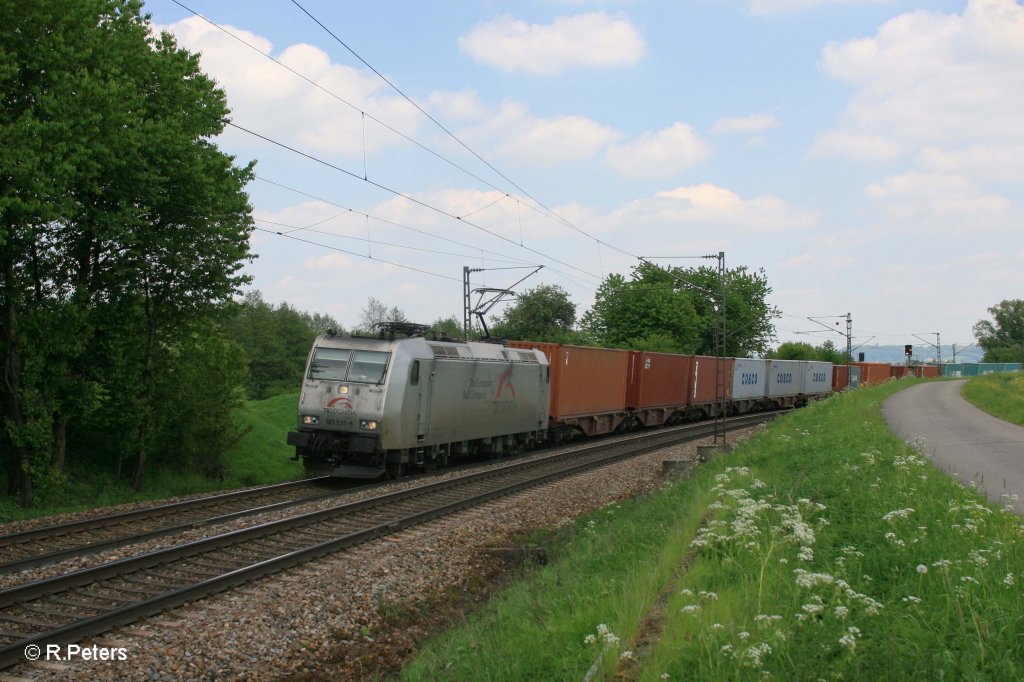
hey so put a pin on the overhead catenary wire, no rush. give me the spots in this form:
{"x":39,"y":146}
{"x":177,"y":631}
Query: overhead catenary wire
{"x":402,"y":195}
{"x":360,"y":255}
{"x":292,"y":229}
{"x":514,"y":259}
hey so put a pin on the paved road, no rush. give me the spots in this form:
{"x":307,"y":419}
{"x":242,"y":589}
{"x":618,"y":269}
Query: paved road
{"x":960,"y":438}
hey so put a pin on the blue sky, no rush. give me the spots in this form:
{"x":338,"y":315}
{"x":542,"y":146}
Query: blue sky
{"x":867,"y":154}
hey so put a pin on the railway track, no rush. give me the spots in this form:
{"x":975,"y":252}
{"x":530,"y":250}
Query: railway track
{"x":66,"y":608}
{"x":41,"y":546}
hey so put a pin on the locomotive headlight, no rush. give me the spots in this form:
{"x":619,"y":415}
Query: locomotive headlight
{"x":343,"y":390}
{"x":368,"y":424}
{"x":310,"y":420}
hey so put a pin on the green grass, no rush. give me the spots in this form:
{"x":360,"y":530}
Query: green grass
{"x":261,"y":456}
{"x":829,"y":549}
{"x":1001,"y":395}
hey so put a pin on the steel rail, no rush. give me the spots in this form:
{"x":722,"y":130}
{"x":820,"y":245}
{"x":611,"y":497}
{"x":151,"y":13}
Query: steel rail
{"x":45,"y":536}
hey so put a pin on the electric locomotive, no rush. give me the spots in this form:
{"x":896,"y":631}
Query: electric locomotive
{"x":390,"y":405}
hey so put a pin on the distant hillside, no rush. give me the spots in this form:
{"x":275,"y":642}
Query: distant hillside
{"x":922,"y":353}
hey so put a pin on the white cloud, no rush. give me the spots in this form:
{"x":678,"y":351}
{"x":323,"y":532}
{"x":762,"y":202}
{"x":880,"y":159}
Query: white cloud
{"x":275,"y":102}
{"x":937,"y":194}
{"x":526,"y":138}
{"x":707,"y":205}
{"x":797,"y":261}
{"x":659,"y":154}
{"x":766,"y":7}
{"x":1003,"y":163}
{"x":861,"y":146}
{"x":584,"y":41}
{"x":745,"y":125}
{"x":457,"y":106}
{"x":929,"y":79}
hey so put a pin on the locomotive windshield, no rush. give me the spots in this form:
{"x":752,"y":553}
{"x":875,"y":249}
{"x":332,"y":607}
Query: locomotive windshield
{"x":342,"y":364}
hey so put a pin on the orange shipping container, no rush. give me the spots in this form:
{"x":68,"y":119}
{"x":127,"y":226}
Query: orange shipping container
{"x":658,"y":379}
{"x":584,"y":381}
{"x":873,"y":372}
{"x":840,"y":377}
{"x":704,"y":382}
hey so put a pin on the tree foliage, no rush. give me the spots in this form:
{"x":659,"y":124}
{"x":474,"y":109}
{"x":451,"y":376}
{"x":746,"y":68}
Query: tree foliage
{"x":123,"y":228}
{"x":800,"y":350}
{"x":377,"y":312}
{"x":275,"y":341}
{"x":544,"y":313}
{"x":1002,"y":338}
{"x":675,"y":310}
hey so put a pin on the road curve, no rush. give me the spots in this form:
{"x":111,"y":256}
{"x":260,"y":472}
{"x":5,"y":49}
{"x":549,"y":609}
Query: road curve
{"x":961,"y":439}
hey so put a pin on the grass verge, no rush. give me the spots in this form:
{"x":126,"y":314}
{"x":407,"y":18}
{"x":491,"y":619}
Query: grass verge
{"x":1001,"y":395}
{"x":824,"y":548}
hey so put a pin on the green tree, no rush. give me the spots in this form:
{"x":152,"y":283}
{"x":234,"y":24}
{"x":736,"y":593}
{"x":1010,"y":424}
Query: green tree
{"x":276,"y":342}
{"x":651,"y":305}
{"x":827,"y":352}
{"x":1002,"y":338}
{"x":749,"y":330}
{"x":544,"y":313}
{"x":449,"y":327}
{"x":117,"y":215}
{"x":794,"y":350}
{"x":377,"y":312}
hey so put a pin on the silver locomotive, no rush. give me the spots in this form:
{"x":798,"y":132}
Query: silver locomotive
{"x":371,"y":407}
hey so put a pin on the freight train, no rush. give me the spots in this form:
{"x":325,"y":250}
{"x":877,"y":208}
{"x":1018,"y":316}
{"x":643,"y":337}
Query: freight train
{"x":373,"y":407}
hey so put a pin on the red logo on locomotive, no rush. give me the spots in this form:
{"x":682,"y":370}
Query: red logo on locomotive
{"x":505,"y":382}
{"x":342,"y":402}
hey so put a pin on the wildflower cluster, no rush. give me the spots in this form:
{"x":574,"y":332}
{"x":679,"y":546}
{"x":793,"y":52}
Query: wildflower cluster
{"x":604,"y":635}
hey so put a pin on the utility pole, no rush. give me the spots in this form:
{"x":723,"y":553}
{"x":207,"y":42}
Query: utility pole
{"x":849,"y":338}
{"x":937,"y":345}
{"x":720,"y":366}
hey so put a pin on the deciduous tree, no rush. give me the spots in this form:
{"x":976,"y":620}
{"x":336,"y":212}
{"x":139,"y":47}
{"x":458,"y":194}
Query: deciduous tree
{"x":1002,"y":338}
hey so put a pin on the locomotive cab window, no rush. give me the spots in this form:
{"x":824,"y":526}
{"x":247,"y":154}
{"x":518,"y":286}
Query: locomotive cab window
{"x":342,"y":364}
{"x":368,"y":366}
{"x":329,"y":364}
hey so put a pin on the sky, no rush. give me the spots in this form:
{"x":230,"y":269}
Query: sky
{"x":868,"y":155}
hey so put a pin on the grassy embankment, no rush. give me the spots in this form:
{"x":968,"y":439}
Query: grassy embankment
{"x":823,"y":548}
{"x":1001,"y":395}
{"x":260,"y":456}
